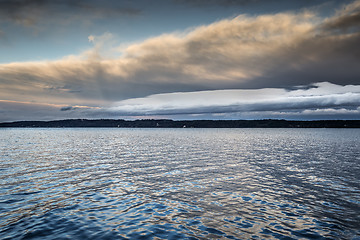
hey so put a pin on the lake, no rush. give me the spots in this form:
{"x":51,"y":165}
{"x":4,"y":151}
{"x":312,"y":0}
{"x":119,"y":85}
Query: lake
{"x":179,"y":183}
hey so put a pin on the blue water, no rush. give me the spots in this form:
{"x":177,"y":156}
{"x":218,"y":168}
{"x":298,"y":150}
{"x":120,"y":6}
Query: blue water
{"x":180,"y":184}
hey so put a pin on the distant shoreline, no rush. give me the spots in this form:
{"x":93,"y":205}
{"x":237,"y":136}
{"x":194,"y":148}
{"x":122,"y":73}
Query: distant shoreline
{"x":165,"y":123}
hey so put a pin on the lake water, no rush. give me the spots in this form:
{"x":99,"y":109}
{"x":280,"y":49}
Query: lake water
{"x":180,"y":184}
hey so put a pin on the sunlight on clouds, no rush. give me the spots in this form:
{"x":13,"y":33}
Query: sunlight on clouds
{"x":279,"y":51}
{"x":328,"y":111}
{"x":324,"y":95}
{"x":233,"y":49}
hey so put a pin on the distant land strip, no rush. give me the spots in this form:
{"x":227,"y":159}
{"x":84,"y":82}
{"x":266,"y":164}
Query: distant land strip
{"x":166,"y":123}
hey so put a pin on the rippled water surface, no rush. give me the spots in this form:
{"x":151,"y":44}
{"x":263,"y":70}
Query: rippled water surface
{"x":180,"y":184}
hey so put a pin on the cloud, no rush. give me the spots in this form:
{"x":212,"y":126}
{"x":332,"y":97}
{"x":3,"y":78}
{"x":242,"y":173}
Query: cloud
{"x":91,"y":38}
{"x":346,"y":18}
{"x":19,"y":110}
{"x":245,"y":52}
{"x":320,"y":96}
{"x":68,"y":108}
{"x":202,"y":3}
{"x":231,"y":3}
{"x":99,"y":52}
{"x":319,"y":101}
{"x":31,"y":12}
{"x":228,"y":53}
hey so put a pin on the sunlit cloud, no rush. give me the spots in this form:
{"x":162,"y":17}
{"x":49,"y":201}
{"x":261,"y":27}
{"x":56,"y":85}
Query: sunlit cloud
{"x":321,"y":95}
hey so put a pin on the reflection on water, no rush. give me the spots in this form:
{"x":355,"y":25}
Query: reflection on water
{"x":179,"y":183}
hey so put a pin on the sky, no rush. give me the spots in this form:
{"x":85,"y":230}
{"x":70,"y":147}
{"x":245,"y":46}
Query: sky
{"x":179,"y":59}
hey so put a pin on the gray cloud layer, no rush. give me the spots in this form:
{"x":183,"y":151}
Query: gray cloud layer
{"x":320,"y":101}
{"x":322,"y":95}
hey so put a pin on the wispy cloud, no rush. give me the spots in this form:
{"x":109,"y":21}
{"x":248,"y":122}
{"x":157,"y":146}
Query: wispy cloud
{"x":345,"y":19}
{"x":20,"y":110}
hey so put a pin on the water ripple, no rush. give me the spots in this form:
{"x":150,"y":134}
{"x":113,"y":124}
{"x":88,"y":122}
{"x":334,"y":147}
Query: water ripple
{"x":179,"y":184}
